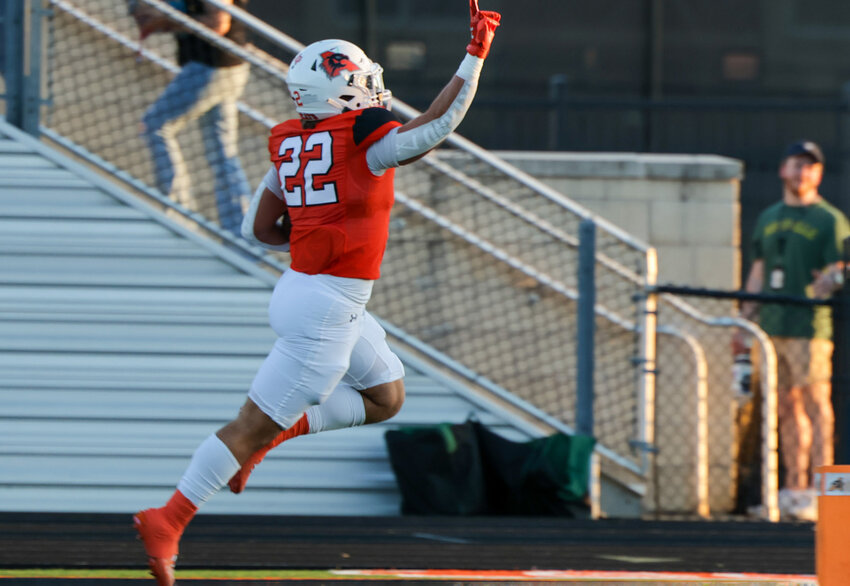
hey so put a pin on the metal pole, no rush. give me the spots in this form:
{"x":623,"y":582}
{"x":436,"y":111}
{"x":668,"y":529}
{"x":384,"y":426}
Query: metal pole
{"x":558,"y":113}
{"x":769,"y":429}
{"x":654,"y":67}
{"x":22,"y":29}
{"x":647,"y":362}
{"x":368,"y":18}
{"x":34,"y":58}
{"x":13,"y":31}
{"x":586,"y":328}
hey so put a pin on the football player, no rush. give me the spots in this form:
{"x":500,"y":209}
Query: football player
{"x":332,"y":183}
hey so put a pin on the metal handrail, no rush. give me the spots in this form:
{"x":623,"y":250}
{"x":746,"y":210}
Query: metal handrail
{"x":769,"y":384}
{"x":529,"y":217}
{"x":769,"y":410}
{"x":701,"y":478}
{"x":515,"y":263}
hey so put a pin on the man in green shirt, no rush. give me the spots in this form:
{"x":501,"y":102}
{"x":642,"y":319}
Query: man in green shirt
{"x":797,"y":251}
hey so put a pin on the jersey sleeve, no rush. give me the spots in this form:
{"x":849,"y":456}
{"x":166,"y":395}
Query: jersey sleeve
{"x":371,"y":125}
{"x":272,"y":182}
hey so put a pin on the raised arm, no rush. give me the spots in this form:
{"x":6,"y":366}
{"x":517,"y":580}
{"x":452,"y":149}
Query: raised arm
{"x":415,"y":138}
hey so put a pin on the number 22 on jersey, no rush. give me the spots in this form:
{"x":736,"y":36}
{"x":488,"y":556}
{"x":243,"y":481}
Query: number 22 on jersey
{"x":305,"y":174}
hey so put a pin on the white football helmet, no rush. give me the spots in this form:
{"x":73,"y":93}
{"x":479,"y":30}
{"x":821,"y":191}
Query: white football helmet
{"x":329,"y":77}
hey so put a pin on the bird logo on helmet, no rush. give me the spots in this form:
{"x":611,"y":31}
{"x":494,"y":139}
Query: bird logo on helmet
{"x":336,"y":63}
{"x":333,"y":76}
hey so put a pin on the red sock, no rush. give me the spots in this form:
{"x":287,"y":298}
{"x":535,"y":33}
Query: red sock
{"x":179,"y":511}
{"x":240,"y":479}
{"x":300,"y":427}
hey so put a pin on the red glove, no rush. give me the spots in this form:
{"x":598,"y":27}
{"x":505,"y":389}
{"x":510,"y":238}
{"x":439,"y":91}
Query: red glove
{"x":482,"y":28}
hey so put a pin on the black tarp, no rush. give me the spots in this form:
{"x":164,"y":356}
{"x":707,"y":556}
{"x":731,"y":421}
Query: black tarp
{"x":467,"y":469}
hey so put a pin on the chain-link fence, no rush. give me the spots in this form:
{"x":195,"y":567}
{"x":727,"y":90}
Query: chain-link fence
{"x":481,"y":263}
{"x":757,"y":447}
{"x":694,"y":422}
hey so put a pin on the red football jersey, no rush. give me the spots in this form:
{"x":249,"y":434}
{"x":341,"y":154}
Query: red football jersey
{"x":340,"y":211}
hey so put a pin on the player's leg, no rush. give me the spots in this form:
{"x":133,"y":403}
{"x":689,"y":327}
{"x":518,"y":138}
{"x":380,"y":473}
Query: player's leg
{"x":300,"y":371}
{"x":375,"y":373}
{"x":345,"y":407}
{"x":213,"y":463}
{"x":371,"y":391}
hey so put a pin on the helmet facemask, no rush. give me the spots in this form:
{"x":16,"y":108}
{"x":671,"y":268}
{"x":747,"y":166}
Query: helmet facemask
{"x":370,"y":85}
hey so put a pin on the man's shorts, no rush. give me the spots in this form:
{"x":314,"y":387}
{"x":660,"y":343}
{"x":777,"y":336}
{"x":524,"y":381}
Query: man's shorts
{"x":802,"y":361}
{"x":326,"y":338}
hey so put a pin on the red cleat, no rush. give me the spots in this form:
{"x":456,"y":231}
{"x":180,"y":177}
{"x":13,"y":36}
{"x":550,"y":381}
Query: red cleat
{"x":240,"y":479}
{"x":161,"y":543}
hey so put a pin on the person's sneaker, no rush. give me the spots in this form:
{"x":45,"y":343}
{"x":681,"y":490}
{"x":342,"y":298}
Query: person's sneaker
{"x":787,"y":501}
{"x":161,"y":543}
{"x":805,"y":506}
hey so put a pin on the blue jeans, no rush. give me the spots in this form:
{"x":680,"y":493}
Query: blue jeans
{"x":209,"y":95}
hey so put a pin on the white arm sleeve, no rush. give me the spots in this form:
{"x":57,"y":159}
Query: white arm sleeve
{"x":271,"y":182}
{"x":401,"y":146}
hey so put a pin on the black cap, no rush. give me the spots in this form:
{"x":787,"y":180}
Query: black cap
{"x":805,"y":147}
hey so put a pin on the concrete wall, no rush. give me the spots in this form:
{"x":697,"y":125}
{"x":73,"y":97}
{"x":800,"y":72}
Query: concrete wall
{"x":687,"y":206}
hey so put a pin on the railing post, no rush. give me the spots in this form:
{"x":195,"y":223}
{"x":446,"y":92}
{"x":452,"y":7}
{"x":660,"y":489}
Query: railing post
{"x":13,"y":41}
{"x":585,"y":327}
{"x":22,"y":29}
{"x":558,"y":112}
{"x":841,"y":365}
{"x":647,"y":326}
